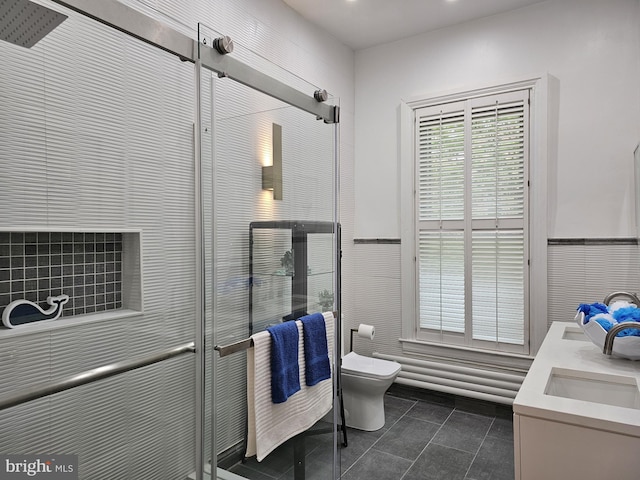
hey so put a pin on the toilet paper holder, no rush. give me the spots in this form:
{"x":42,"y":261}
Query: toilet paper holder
{"x":365,"y":331}
{"x":351,"y":339}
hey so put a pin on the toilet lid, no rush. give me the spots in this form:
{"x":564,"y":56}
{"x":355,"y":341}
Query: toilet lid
{"x":368,"y":366}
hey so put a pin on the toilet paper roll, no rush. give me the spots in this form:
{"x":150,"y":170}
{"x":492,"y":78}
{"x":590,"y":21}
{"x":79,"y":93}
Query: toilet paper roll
{"x":366,"y":331}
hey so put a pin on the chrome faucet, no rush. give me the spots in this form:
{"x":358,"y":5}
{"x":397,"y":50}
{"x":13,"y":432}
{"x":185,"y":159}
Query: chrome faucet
{"x":611,"y":335}
{"x":631,"y":296}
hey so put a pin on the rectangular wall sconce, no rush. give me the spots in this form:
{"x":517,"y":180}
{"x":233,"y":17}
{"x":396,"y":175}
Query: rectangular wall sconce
{"x":272,"y":175}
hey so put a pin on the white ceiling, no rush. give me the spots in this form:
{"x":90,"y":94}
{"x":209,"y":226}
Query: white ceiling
{"x":365,"y":23}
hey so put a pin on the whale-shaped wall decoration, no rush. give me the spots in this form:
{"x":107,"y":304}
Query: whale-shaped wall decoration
{"x":21,"y":312}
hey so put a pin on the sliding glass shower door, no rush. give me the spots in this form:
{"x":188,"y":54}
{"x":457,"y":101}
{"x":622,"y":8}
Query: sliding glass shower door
{"x":264,"y":163}
{"x":96,"y":205}
{"x":112,"y":200}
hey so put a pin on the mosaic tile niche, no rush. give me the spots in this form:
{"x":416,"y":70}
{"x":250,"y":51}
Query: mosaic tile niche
{"x":86,"y":266}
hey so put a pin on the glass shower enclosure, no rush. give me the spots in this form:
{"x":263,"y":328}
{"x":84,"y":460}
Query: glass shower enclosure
{"x":124,"y":193}
{"x":268,"y":169}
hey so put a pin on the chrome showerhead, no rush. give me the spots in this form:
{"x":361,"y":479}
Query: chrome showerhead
{"x":25,"y":23}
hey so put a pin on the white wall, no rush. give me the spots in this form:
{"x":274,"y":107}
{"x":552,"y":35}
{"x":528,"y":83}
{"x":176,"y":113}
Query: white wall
{"x":591,"y":47}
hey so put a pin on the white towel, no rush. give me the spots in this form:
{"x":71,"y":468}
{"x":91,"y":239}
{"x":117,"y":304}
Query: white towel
{"x":271,"y":424}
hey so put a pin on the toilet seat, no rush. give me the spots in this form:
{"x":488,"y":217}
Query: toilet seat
{"x":355,"y":364}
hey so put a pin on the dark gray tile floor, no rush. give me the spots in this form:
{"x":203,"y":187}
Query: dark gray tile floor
{"x":427,"y":436}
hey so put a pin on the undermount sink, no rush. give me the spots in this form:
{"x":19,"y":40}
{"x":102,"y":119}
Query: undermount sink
{"x":615,"y":390}
{"x":574,"y":333}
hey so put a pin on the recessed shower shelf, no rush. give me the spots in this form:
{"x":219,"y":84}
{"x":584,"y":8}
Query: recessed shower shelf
{"x":95,"y":272}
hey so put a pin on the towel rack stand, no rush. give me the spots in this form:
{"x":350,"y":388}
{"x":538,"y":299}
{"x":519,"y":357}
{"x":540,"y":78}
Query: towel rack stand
{"x":299,"y":447}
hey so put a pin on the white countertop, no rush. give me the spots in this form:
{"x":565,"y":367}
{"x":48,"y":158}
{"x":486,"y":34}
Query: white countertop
{"x":565,"y":347}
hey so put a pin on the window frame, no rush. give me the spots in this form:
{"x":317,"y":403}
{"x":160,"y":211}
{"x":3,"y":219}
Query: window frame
{"x":538,"y":159}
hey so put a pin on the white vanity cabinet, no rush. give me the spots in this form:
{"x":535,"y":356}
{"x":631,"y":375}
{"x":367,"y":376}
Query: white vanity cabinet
{"x":577,"y":414}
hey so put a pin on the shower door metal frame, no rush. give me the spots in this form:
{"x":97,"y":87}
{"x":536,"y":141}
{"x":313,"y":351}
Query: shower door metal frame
{"x":132,"y":22}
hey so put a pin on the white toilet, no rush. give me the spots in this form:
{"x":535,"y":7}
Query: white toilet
{"x":364,"y":382}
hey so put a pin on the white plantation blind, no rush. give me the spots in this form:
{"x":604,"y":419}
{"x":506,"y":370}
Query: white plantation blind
{"x":498,"y":143}
{"x":471,"y":208}
{"x":441,"y":166}
{"x":442,"y":280}
{"x":498,"y":285}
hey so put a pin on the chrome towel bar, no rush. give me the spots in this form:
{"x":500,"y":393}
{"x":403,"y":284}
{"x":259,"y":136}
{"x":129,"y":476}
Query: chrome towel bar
{"x":239,"y":346}
{"x":49,"y":388}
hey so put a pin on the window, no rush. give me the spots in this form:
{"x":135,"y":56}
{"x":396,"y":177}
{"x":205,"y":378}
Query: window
{"x":471,"y":222}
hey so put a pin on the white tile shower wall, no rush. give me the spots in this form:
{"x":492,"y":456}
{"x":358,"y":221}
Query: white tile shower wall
{"x":588,"y":273}
{"x":576,"y":274}
{"x":272,"y":30}
{"x":103,"y":142}
{"x":377,"y":293}
{"x":347,"y":215}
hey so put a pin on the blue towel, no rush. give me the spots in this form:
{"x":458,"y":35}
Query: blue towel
{"x":285,"y":372}
{"x":316,"y":352}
